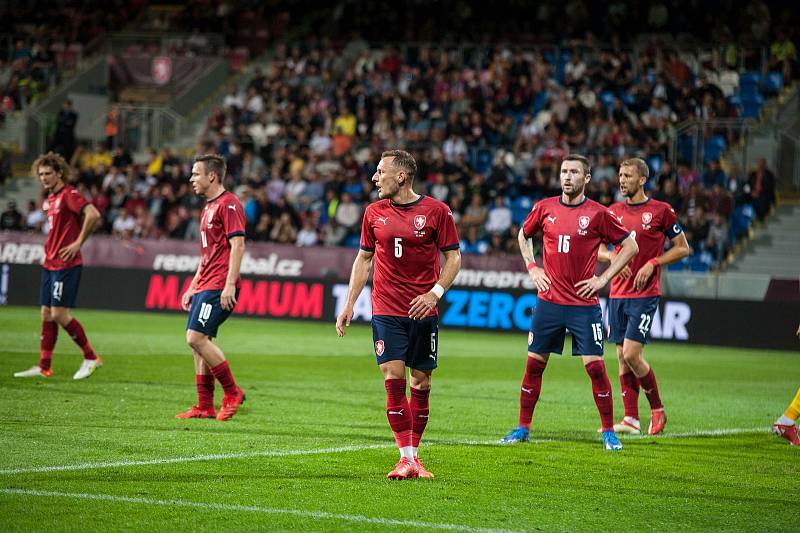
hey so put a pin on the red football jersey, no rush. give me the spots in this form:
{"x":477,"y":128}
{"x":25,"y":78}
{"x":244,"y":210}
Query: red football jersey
{"x":572,"y":234}
{"x":406,"y":240}
{"x":651,"y":222}
{"x":221,"y":219}
{"x":64,"y":215}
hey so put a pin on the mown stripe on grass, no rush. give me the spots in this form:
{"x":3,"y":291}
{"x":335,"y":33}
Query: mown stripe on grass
{"x":343,"y":449}
{"x":253,"y":509}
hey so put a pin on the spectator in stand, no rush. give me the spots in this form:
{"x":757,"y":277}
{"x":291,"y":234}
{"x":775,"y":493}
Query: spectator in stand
{"x":761,"y":182}
{"x":34,"y":217}
{"x":348,"y":214}
{"x":697,"y":229}
{"x":11,"y":218}
{"x":717,"y":239}
{"x":307,"y":236}
{"x":284,"y":230}
{"x":64,"y":138}
{"x":124,"y":224}
{"x":499,"y":219}
{"x":714,"y":175}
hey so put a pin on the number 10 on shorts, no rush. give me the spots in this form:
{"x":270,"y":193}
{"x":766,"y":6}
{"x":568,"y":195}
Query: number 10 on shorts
{"x":204,"y":314}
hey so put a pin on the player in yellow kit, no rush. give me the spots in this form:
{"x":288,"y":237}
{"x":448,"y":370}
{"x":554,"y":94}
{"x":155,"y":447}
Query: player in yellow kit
{"x":786,"y":425}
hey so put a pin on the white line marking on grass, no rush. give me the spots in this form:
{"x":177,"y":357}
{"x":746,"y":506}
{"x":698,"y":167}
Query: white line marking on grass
{"x":253,"y":509}
{"x":192,"y":458}
{"x":343,"y":449}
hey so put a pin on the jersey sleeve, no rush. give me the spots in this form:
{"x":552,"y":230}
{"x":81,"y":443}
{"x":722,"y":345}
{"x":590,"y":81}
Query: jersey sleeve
{"x":533,"y":222}
{"x":611,"y":229}
{"x":447,"y":234}
{"x":233,"y":220}
{"x":367,"y":236}
{"x":75,"y":201}
{"x":672,"y":228}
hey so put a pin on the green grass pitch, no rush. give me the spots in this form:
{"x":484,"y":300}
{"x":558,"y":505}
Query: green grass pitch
{"x":311,"y":448}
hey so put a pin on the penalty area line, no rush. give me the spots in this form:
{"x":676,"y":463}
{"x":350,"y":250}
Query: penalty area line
{"x":361,"y":519}
{"x":344,"y":449}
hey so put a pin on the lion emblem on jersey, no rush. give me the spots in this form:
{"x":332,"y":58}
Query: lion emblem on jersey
{"x":419,"y":221}
{"x":583,"y":222}
{"x":379,"y":347}
{"x":647,"y":218}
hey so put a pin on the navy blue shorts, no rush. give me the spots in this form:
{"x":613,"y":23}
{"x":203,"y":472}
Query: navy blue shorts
{"x":550,"y":322}
{"x":400,"y":338}
{"x":631,"y":318}
{"x":206,"y":314}
{"x":59,"y":288}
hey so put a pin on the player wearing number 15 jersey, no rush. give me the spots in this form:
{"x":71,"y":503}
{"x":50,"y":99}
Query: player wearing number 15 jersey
{"x":212,"y":295}
{"x":403,"y":233}
{"x":573,"y":228}
{"x":636,"y":289}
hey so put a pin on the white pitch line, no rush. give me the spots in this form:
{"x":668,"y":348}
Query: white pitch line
{"x":254,"y":509}
{"x":343,"y":449}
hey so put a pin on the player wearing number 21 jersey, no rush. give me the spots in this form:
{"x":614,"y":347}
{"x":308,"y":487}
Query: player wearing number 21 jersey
{"x":573,"y":227}
{"x":403,"y":233}
{"x":636,"y":289}
{"x":212,"y":295}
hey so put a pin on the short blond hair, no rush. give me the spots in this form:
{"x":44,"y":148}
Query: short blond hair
{"x":639,"y":164}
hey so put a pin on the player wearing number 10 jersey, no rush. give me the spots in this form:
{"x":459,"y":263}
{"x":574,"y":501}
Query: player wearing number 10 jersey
{"x":573,"y":228}
{"x":404,"y":233}
{"x":635,"y":291}
{"x":211,"y":297}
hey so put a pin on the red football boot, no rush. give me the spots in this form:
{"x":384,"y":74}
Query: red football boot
{"x":657,"y":422}
{"x":787,"y":432}
{"x":195,"y":412}
{"x":423,"y":472}
{"x":404,"y":469}
{"x":230,"y":404}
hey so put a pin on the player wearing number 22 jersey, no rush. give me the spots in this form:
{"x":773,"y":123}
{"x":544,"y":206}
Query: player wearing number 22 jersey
{"x":404,"y":233}
{"x":635,"y":291}
{"x":573,"y":227}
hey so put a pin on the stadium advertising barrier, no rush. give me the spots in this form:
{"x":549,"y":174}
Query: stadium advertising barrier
{"x":465,"y":306}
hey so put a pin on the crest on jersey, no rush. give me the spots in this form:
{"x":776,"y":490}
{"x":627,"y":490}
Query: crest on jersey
{"x":583,"y":222}
{"x":419,"y":221}
{"x":647,"y":218}
{"x":379,"y":347}
{"x":530,"y":338}
{"x":210,"y":215}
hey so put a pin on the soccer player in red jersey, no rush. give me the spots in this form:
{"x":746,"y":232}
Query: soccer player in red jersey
{"x":573,"y":228}
{"x":403,"y":233}
{"x":212,"y":295}
{"x":62,"y":265}
{"x":634,"y":297}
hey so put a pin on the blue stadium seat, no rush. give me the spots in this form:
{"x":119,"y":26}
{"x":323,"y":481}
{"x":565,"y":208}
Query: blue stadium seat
{"x":749,"y":82}
{"x":751,"y":107}
{"x":686,"y":147}
{"x":772,"y":83}
{"x":714,"y":147}
{"x":483,"y":160}
{"x":655,"y":162}
{"x":626,"y":98}
{"x":352,"y":241}
{"x":539,"y":101}
{"x":608,"y":98}
{"x":681,"y":265}
{"x":702,"y":262}
{"x":520,"y":207}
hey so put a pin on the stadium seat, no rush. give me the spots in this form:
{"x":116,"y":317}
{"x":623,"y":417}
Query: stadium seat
{"x":539,"y":101}
{"x":352,"y":241}
{"x":714,"y":147}
{"x":483,"y":160}
{"x":772,"y":83}
{"x":679,"y":266}
{"x":749,"y":83}
{"x":655,"y":162}
{"x":608,"y":99}
{"x":751,"y":107}
{"x":520,"y":207}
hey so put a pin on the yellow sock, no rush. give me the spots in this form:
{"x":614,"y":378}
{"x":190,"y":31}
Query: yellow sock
{"x":793,"y":411}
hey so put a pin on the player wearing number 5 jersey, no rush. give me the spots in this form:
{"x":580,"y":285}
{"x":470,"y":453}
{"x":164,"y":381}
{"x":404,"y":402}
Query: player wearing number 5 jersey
{"x":635,"y":291}
{"x":212,"y":295}
{"x":403,"y":233}
{"x":71,"y":219}
{"x":573,"y":227}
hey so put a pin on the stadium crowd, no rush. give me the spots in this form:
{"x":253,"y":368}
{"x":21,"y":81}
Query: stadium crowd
{"x":487,"y":124}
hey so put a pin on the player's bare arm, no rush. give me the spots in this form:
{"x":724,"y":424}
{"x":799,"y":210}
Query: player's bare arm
{"x":589,"y":287}
{"x":678,"y":250}
{"x":228,"y":297}
{"x":536,"y":272}
{"x":421,"y":305}
{"x":358,"y":278}
{"x":604,"y":255}
{"x":186,"y":299}
{"x":90,"y":217}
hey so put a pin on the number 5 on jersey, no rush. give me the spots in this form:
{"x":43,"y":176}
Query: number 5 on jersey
{"x":398,"y":247}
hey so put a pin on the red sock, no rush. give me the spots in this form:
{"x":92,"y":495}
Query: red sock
{"x":601,"y":389}
{"x":419,"y":414}
{"x":630,"y":394}
{"x":205,"y":390}
{"x":223,"y":374}
{"x":650,"y":388}
{"x":75,"y":331}
{"x":398,"y":411}
{"x":47,"y":342}
{"x":529,"y":391}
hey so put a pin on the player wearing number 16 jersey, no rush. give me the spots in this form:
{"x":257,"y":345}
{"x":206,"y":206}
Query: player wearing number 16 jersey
{"x":573,"y":228}
{"x":212,"y":295}
{"x":403,"y":233}
{"x":635,"y":291}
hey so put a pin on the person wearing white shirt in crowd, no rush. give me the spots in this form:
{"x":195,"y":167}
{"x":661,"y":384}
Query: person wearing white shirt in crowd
{"x":499,"y":218}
